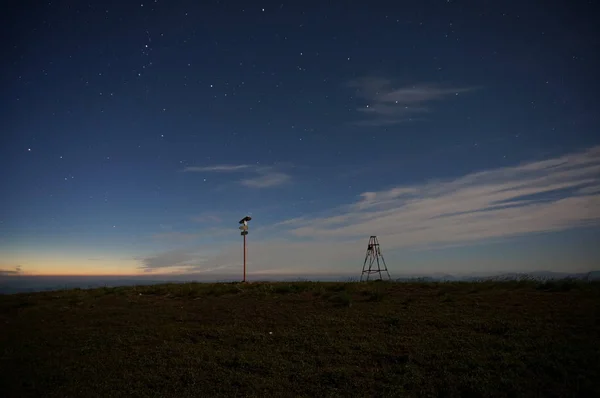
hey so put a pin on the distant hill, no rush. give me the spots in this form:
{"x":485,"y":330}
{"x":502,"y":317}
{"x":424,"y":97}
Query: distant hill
{"x":511,"y":276}
{"x":30,"y":284}
{"x":24,"y":284}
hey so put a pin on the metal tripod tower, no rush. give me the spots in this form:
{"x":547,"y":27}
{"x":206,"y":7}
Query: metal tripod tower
{"x":372,"y":257}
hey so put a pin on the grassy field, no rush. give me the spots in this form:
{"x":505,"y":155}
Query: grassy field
{"x":304,"y":339}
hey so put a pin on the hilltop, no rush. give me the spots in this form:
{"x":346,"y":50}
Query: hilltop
{"x":519,"y":338}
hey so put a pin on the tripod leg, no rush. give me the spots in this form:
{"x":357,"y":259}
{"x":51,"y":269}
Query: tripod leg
{"x":378,"y":267}
{"x":364,"y":265}
{"x":371,"y":261}
{"x":386,"y":268}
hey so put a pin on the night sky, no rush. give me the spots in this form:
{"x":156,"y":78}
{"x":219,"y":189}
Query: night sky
{"x":135,"y":135}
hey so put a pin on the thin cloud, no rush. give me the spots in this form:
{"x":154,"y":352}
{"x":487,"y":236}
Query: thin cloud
{"x":169,"y":259}
{"x":545,"y":196}
{"x":266,"y":179}
{"x":218,"y":168}
{"x":590,"y":190}
{"x":11,"y":272}
{"x":268,"y":257}
{"x":489,"y":206}
{"x":261,"y":176}
{"x":182,"y":237}
{"x":386,"y":105}
{"x":206,"y":259}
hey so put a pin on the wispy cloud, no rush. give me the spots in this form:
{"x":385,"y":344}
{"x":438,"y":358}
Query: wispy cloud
{"x":265,"y":179}
{"x":267,"y":257}
{"x":11,"y":272}
{"x":189,"y":260}
{"x":183,"y":237}
{"x":178,"y":258}
{"x":542,"y":196}
{"x":260,"y":176}
{"x":386,"y":104}
{"x":219,"y":168}
{"x":536,"y":197}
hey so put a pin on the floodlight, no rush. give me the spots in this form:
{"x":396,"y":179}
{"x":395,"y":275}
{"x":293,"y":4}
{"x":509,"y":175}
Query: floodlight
{"x":245,"y":219}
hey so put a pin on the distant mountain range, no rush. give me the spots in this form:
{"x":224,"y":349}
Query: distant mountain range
{"x":511,"y":276}
{"x":27,"y":284}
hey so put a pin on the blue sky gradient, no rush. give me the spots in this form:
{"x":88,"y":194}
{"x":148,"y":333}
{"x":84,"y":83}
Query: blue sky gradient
{"x":135,"y":136}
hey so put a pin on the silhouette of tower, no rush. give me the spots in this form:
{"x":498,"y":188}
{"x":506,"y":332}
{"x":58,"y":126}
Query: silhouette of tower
{"x":373,"y":256}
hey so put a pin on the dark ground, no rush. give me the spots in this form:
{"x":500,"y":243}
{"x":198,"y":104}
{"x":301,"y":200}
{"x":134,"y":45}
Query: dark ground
{"x":328,"y":339}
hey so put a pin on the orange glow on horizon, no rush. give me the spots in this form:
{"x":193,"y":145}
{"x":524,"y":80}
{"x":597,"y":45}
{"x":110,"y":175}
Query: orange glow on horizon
{"x":39,"y":265}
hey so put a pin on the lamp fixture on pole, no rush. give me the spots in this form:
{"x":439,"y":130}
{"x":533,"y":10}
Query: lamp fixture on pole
{"x":244,"y":228}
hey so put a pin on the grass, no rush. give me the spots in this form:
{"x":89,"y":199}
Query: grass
{"x":304,"y":339}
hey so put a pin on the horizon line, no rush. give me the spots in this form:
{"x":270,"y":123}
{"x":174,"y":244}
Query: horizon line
{"x":208,"y":276}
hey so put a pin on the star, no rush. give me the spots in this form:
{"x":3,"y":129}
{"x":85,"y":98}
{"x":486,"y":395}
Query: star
{"x":359,"y":144}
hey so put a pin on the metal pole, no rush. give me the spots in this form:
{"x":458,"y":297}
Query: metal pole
{"x":244,"y":229}
{"x":244,"y":280}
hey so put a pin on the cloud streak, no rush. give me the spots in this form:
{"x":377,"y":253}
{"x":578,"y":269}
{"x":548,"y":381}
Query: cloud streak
{"x":179,"y":260}
{"x":266,"y":179}
{"x":530,"y":198}
{"x":11,"y":272}
{"x":386,"y":105}
{"x":183,"y":237}
{"x":536,"y":197}
{"x":260,"y":176}
{"x":218,"y":168}
{"x":264,"y":258}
